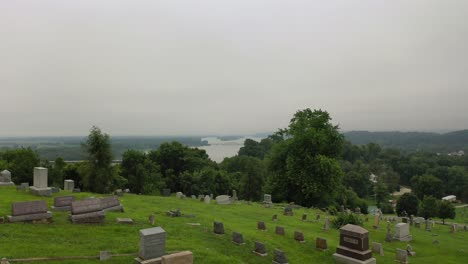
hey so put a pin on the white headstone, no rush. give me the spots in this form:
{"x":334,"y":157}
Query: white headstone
{"x":5,"y":178}
{"x":40,"y":177}
{"x":179,"y":194}
{"x":207,"y":199}
{"x":402,"y":232}
{"x":68,"y":185}
{"x":152,"y":243}
{"x":223,"y":199}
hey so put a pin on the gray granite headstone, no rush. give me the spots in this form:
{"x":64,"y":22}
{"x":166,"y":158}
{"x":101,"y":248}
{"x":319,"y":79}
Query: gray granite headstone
{"x":207,"y":199}
{"x":377,"y":248}
{"x":321,"y":243}
{"x":401,"y":256}
{"x":166,"y":192}
{"x":68,"y":185}
{"x":279,"y":230}
{"x":299,"y":236}
{"x":152,"y":243}
{"x":237,"y":238}
{"x":261,"y":225}
{"x":279,"y":257}
{"x":260,"y":249}
{"x":218,"y":228}
{"x":223,"y":199}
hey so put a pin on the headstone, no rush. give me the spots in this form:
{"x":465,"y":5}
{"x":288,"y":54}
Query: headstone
{"x":326,"y":225}
{"x":76,"y":190}
{"x":152,"y":243}
{"x":87,"y":211}
{"x":124,"y":220}
{"x":260,"y":249}
{"x":211,"y":196}
{"x":377,"y":248}
{"x":63,"y":203}
{"x":321,"y":243}
{"x":376,"y":221}
{"x":40,"y":187}
{"x":288,"y":211}
{"x":111,"y":204}
{"x":354,"y":246}
{"x":127,"y":190}
{"x":453,"y":228}
{"x":174,"y":213}
{"x":29,"y":211}
{"x":151,"y":219}
{"x":409,"y":250}
{"x":207,"y":199}
{"x":166,"y":192}
{"x":237,"y":238}
{"x":218,"y":228}
{"x":317,"y":217}
{"x":274,"y":218}
{"x":304,"y":217}
{"x":201,"y":197}
{"x":24,"y":185}
{"x":179,"y":194}
{"x":55,"y":189}
{"x":402,"y":232}
{"x":299,"y":236}
{"x":357,"y":210}
{"x":193,"y":197}
{"x":279,"y":230}
{"x":279,"y":257}
{"x":184,"y":257}
{"x":417,"y":224}
{"x":261,"y":226}
{"x":223,"y":199}
{"x":267,"y":198}
{"x":401,"y":256}
{"x":68,"y":185}
{"x":119,"y":192}
{"x":5,"y":178}
{"x":234,"y":195}
{"x":104,"y":255}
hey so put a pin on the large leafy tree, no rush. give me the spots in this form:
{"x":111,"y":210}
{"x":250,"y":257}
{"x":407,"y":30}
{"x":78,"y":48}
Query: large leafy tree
{"x":446,"y":210}
{"x":20,"y":162}
{"x":303,"y":165}
{"x":408,"y":203}
{"x":99,"y":172}
{"x":427,"y":185}
{"x":428,"y":207}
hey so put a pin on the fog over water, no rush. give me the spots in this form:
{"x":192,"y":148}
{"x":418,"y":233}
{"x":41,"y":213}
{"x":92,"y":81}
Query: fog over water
{"x":219,"y":149}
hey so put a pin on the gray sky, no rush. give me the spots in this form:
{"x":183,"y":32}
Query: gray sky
{"x":228,"y":67}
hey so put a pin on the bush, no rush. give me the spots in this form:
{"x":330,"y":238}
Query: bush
{"x":387,"y":208}
{"x":344,"y":218}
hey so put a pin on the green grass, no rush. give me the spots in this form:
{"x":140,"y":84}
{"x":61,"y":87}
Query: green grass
{"x":61,"y":238}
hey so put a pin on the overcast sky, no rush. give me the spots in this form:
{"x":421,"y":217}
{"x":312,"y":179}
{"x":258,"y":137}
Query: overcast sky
{"x":230,"y":67}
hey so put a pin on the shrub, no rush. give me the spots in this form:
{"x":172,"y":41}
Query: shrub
{"x":344,"y":218}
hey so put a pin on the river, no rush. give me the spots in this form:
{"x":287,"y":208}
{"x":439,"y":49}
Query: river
{"x":219,"y":149}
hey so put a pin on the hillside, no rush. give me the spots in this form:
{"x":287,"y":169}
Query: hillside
{"x":413,"y":141}
{"x":61,"y":238}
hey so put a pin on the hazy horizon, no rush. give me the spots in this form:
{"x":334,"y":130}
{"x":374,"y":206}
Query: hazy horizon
{"x":211,"y":67}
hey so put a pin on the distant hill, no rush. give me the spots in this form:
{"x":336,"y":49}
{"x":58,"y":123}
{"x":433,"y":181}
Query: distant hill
{"x":413,"y":141}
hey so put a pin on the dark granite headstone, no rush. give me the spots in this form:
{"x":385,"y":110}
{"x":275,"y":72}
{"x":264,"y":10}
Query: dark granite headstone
{"x":87,"y":211}
{"x":304,"y":217}
{"x":166,"y":192}
{"x":260,"y":249}
{"x":261,"y":226}
{"x":279,"y":257}
{"x":111,"y":203}
{"x":321,"y":243}
{"x":354,"y":244}
{"x":274,"y":218}
{"x":299,"y":236}
{"x":279,"y":230}
{"x":237,"y":238}
{"x":151,"y":219}
{"x":218,"y":228}
{"x":288,"y":211}
{"x":25,"y":208}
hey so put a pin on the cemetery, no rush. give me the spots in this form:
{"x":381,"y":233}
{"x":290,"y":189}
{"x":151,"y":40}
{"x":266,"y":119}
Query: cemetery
{"x":224,"y":233}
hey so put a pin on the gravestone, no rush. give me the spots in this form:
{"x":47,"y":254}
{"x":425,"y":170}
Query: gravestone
{"x":76,"y":190}
{"x":267,"y":198}
{"x":279,"y":230}
{"x":104,"y":255}
{"x":179,"y":195}
{"x":207,"y":199}
{"x":124,"y":220}
{"x":63,"y":203}
{"x":29,"y":211}
{"x":184,"y":257}
{"x":409,"y":250}
{"x":5,"y":178}
{"x":354,"y":246}
{"x":299,"y":237}
{"x":304,"y":217}
{"x":453,"y":228}
{"x":24,"y":186}
{"x":119,"y":192}
{"x":321,"y":243}
{"x":166,"y":192}
{"x":376,"y":221}
{"x":87,"y":211}
{"x":237,"y":238}
{"x":223,"y":199}
{"x":40,"y":187}
{"x":377,"y":248}
{"x":111,"y":204}
{"x":55,"y":189}
{"x":317,"y":217}
{"x":326,"y":225}
{"x":402,"y":232}
{"x":261,"y":226}
{"x":193,"y":197}
{"x":288,"y":211}
{"x":218,"y":228}
{"x":151,"y":219}
{"x":279,"y":257}
{"x":401,"y":256}
{"x":152,"y":244}
{"x":357,"y":210}
{"x":201,"y":197}
{"x":417,"y":224}
{"x":260,"y":249}
{"x":274,"y":218}
{"x":234,"y":195}
{"x":68,"y":185}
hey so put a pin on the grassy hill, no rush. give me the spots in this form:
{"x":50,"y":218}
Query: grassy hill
{"x":61,"y":238}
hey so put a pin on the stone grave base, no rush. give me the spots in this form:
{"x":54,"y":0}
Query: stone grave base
{"x":347,"y":260}
{"x":7,"y":184}
{"x":184,"y":257}
{"x":92,"y":218}
{"x":61,"y":208}
{"x":260,"y":254}
{"x":40,"y":191}
{"x":239,"y":244}
{"x":117,"y":208}
{"x":29,"y":217}
{"x":405,"y":239}
{"x":148,"y":261}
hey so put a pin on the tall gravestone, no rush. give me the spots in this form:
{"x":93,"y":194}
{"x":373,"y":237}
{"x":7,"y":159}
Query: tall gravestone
{"x":68,"y":185}
{"x":267,"y":198}
{"x":402,"y":232}
{"x":354,"y":246}
{"x":40,"y":182}
{"x":5,"y":178}
{"x":152,"y":244}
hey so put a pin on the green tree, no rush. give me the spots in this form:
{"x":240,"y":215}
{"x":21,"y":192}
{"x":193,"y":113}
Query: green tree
{"x":381,"y":193}
{"x":20,"y":162}
{"x":408,"y":203}
{"x":250,"y":177}
{"x":446,"y":210}
{"x":99,"y":172}
{"x":303,"y":166}
{"x":428,"y":207}
{"x":426,"y":185}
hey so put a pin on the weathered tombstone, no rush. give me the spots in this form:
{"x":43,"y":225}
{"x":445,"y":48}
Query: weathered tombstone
{"x":317,"y":217}
{"x":279,"y":230}
{"x":453,"y":228}
{"x":427,"y":225}
{"x":207,"y":199}
{"x":119,"y":192}
{"x":304,"y":217}
{"x":127,"y":190}
{"x":24,"y":186}
{"x":401,"y":256}
{"x":211,"y":196}
{"x":321,"y":243}
{"x":29,"y":211}
{"x":288,"y":211}
{"x":55,"y":189}
{"x":326,"y":225}
{"x":377,"y":248}
{"x":417,"y":224}
{"x":376,"y":221}
{"x":409,"y":250}
{"x":76,"y":190}
{"x":218,"y":228}
{"x":237,"y":238}
{"x":179,"y":195}
{"x":357,"y":210}
{"x":234,"y":195}
{"x":299,"y":237}
{"x":193,"y":197}
{"x":223,"y":199}
{"x":261,"y":226}
{"x":111,"y":204}
{"x":279,"y":257}
{"x":151,"y":219}
{"x":274,"y":218}
{"x":267,"y":198}
{"x":104,"y":255}
{"x":402,"y":232}
{"x":5,"y":178}
{"x":68,"y":185}
{"x":184,"y":257}
{"x":174,"y":213}
{"x":201,"y":197}
{"x":40,"y":187}
{"x":354,"y":246}
{"x":87,"y":211}
{"x":166,"y":192}
{"x":124,"y":220}
{"x":63,"y":203}
{"x":152,"y":244}
{"x":260,"y":249}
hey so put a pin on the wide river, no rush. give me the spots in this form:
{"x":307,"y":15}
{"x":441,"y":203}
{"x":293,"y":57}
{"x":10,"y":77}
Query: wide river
{"x":219,"y":149}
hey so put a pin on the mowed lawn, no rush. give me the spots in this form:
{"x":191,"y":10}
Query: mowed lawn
{"x":61,"y":238}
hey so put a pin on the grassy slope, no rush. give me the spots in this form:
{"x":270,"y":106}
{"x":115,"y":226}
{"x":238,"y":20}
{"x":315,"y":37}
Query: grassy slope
{"x":62,"y":238}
